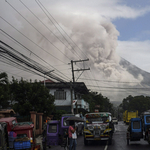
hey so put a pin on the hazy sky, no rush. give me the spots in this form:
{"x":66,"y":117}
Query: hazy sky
{"x":59,"y":31}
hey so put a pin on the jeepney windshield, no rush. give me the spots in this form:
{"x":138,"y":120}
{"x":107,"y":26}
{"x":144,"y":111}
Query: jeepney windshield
{"x":97,"y":119}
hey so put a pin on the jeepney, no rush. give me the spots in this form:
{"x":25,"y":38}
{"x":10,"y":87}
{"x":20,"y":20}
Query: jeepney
{"x":98,"y":127}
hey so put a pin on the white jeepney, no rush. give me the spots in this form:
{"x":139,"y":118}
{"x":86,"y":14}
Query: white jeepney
{"x":98,"y":126}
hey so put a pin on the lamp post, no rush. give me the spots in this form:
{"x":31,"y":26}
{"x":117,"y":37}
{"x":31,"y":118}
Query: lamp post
{"x":46,"y":74}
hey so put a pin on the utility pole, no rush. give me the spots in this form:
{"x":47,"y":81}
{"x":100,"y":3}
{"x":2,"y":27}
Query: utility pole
{"x":73,"y":78}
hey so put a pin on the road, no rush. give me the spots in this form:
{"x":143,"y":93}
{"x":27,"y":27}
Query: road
{"x":118,"y":142}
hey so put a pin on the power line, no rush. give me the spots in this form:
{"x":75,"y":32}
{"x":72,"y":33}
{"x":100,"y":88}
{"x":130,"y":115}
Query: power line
{"x":31,"y":52}
{"x":32,"y":65}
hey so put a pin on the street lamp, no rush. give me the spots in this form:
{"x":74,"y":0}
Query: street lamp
{"x":46,"y":74}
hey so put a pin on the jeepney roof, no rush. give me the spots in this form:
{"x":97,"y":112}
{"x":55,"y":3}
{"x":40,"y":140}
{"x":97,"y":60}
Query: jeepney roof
{"x":98,"y":114}
{"x":7,"y":119}
{"x":23,"y":126}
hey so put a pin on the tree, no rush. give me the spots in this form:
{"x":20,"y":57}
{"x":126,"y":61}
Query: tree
{"x":30,"y":96}
{"x":4,"y":90}
{"x":140,"y":103}
{"x":94,"y":98}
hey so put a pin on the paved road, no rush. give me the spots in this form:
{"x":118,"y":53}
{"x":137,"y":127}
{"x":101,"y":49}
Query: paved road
{"x":118,"y":143}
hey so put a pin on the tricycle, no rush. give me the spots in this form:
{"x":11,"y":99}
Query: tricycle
{"x":134,"y":131}
{"x":20,"y":135}
{"x":146,"y":125}
{"x":57,"y":131}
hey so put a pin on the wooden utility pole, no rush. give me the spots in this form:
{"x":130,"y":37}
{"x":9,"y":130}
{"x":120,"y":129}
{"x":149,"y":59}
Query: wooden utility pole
{"x":73,"y":78}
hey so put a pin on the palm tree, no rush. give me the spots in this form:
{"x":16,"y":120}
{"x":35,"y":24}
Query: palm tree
{"x":3,"y":78}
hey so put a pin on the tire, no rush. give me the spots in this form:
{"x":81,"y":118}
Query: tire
{"x":127,"y":141}
{"x":85,"y":142}
{"x":149,"y":140}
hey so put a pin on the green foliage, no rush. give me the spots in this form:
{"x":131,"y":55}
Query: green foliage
{"x":58,"y":114}
{"x":140,"y":103}
{"x":31,"y":97}
{"x":94,"y":98}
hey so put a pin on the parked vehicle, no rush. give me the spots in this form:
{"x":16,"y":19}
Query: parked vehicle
{"x":20,"y":135}
{"x":146,"y":125}
{"x":131,"y":114}
{"x":3,"y":136}
{"x":135,"y":130}
{"x":98,"y":126}
{"x":57,"y":131}
{"x":115,"y":120}
{"x":10,"y":122}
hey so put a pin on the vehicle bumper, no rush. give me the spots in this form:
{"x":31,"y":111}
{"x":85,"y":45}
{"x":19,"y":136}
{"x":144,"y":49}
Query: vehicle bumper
{"x":101,"y":138}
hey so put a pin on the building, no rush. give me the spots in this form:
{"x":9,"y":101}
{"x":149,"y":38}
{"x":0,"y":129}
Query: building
{"x":66,"y":93}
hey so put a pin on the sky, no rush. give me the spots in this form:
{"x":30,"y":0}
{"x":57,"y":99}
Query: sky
{"x":56,"y":32}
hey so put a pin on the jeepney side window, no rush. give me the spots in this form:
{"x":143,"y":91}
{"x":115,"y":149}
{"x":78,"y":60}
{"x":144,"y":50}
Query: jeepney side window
{"x":148,"y":119}
{"x":52,"y":128}
{"x":136,"y":125}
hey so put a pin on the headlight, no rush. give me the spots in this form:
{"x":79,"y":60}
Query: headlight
{"x":90,"y":127}
{"x":103,"y":127}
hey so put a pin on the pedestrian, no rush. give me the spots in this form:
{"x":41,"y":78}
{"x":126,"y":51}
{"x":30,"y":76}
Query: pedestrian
{"x":72,"y":136}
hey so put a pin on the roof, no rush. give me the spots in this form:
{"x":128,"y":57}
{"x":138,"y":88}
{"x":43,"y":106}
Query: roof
{"x":23,"y":127}
{"x":97,"y":114}
{"x":135,"y":119}
{"x":79,"y":87}
{"x":7,"y":111}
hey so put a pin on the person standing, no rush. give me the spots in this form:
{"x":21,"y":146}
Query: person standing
{"x":72,"y":136}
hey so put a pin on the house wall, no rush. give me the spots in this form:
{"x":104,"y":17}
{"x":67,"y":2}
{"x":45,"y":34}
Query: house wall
{"x":66,"y":102}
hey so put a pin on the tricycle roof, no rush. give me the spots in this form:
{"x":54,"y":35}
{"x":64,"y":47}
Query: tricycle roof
{"x":135,"y":119}
{"x":7,"y":119}
{"x":23,"y":126}
{"x":53,"y":122}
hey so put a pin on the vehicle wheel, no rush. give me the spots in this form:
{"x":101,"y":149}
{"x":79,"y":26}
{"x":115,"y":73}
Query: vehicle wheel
{"x":149,"y":140}
{"x":85,"y":142}
{"x":127,"y":141}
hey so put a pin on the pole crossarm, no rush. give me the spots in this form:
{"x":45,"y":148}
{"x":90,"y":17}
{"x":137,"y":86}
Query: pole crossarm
{"x":81,"y":69}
